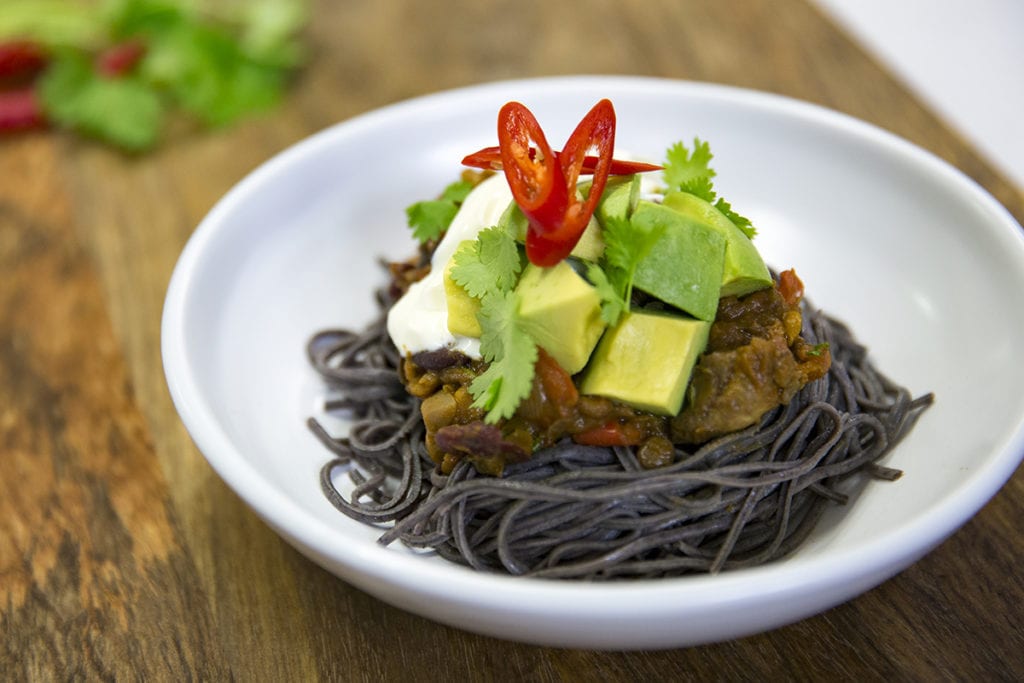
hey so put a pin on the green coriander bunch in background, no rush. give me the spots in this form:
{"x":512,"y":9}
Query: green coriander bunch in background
{"x":115,"y":70}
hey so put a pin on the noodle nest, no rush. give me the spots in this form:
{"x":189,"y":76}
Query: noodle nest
{"x":593,"y":513}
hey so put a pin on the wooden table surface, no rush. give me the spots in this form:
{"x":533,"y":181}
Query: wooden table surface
{"x":123,"y":556}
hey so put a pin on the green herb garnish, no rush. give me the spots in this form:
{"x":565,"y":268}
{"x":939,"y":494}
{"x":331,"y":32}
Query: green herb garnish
{"x":691,"y":172}
{"x":626,"y":245}
{"x":429,"y":219}
{"x":818,"y":349}
{"x":511,"y":353}
{"x":488,"y":264}
{"x":741,"y":222}
{"x":122,"y":111}
{"x":217,"y":65}
{"x":488,"y":269}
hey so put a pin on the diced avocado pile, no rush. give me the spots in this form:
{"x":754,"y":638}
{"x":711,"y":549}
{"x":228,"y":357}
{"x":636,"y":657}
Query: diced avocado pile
{"x":645,"y":359}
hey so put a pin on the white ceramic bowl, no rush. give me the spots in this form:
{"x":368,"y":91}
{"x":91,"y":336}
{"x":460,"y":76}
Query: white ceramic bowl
{"x":925,"y":266}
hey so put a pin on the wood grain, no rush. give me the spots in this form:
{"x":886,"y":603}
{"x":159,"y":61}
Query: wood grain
{"x":95,"y":582}
{"x":122,"y":555}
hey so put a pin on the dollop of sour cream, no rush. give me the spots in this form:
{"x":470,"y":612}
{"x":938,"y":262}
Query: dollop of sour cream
{"x":419,"y":320}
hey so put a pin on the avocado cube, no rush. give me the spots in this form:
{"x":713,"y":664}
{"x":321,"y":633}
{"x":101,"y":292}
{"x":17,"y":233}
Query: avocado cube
{"x":561,"y":312}
{"x":645,"y":361}
{"x":745,"y":270}
{"x":462,"y":308}
{"x":513,"y":221}
{"x":686,"y":265}
{"x":591,"y":244}
{"x":619,"y":199}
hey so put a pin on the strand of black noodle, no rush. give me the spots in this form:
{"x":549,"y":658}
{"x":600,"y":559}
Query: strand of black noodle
{"x":584,"y":512}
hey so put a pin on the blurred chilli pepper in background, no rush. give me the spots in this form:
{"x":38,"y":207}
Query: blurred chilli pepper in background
{"x":20,"y":62}
{"x":121,"y":58}
{"x":116,"y":70}
{"x":20,"y":110}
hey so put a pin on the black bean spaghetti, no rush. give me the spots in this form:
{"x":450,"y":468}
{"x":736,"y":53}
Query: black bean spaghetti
{"x":582,"y":512}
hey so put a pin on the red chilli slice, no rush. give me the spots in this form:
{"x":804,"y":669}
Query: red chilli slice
{"x":543,"y":184}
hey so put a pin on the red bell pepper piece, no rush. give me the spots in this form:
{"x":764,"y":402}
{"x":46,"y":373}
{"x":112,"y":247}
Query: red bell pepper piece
{"x":611,"y":433}
{"x":556,"y":384}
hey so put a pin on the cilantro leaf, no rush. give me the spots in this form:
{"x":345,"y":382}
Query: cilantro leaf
{"x":206,"y":72}
{"x":490,"y":263}
{"x":700,"y":186}
{"x":626,"y":245}
{"x":429,"y":219}
{"x":270,"y":29}
{"x":691,"y":172}
{"x":684,"y":169}
{"x":122,"y":111}
{"x":488,"y":268}
{"x":511,"y":354}
{"x":218,"y":66}
{"x":741,"y":222}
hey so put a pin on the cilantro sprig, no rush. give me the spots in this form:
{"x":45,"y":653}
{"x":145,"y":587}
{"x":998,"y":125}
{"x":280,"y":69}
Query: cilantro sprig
{"x":690,"y":171}
{"x":626,"y":245}
{"x":491,"y":263}
{"x":122,"y":111}
{"x":430,"y":218}
{"x":511,"y":354}
{"x":488,"y":269}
